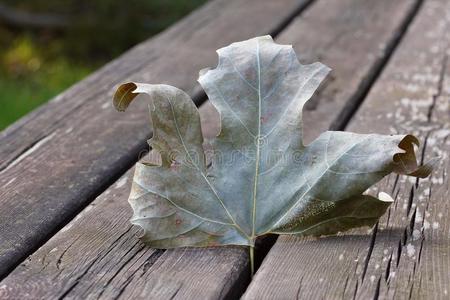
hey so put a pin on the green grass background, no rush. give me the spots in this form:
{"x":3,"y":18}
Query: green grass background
{"x":38,"y":63}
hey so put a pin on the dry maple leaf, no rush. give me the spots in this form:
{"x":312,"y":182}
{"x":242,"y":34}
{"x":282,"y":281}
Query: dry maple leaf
{"x":262,"y":178}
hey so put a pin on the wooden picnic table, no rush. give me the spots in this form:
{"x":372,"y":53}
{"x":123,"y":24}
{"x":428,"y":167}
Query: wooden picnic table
{"x":66,"y":168}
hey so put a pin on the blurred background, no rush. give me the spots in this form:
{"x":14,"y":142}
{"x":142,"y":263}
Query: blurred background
{"x":48,"y":45}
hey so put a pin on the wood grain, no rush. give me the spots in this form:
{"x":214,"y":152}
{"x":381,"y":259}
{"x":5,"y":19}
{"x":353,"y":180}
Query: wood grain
{"x":60,"y":157}
{"x":111,"y":266}
{"x":408,"y":255}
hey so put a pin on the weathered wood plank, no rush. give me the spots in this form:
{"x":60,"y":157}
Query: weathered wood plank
{"x":104,"y":226}
{"x":56,"y":160}
{"x":408,"y":255}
